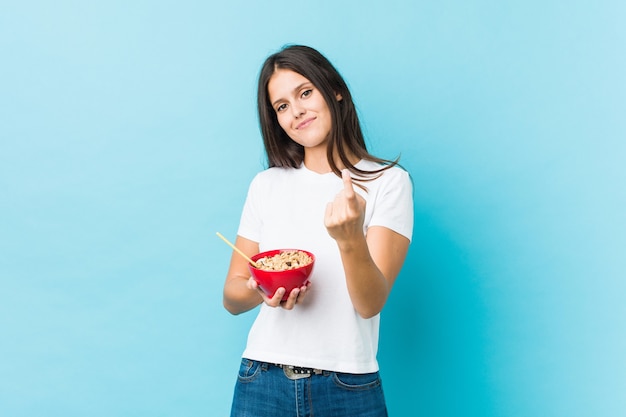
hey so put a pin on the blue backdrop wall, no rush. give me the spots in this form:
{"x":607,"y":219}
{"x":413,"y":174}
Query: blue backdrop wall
{"x":128,"y":138}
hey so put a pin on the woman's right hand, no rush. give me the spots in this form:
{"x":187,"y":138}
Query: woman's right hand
{"x":296,"y":296}
{"x":241,"y":292}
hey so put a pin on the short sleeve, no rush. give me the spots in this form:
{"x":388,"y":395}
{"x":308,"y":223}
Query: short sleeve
{"x":393,"y":205}
{"x":250,"y":223}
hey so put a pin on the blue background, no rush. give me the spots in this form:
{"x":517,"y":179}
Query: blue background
{"x":129,"y":136}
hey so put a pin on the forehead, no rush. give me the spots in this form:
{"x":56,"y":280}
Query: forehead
{"x":283,"y":83}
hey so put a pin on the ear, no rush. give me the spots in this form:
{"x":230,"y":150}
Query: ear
{"x":338,"y":96}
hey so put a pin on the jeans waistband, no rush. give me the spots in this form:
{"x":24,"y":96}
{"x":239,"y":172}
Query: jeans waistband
{"x":298,"y":372}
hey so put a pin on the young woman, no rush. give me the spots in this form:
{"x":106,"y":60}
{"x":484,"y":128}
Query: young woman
{"x":315,"y":353}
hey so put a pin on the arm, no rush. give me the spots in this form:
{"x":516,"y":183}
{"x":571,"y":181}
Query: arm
{"x":238,"y":298}
{"x":241,"y":291}
{"x":371,"y":263}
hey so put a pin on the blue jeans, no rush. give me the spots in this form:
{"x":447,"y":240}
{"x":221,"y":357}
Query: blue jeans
{"x":264,"y":390}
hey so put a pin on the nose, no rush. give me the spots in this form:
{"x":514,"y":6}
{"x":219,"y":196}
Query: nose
{"x":297,"y":110}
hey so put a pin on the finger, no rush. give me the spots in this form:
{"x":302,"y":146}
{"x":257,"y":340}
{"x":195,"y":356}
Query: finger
{"x":275,"y":300}
{"x":278,"y":296}
{"x":303,"y":291}
{"x":252,"y":284}
{"x":347,"y":184}
{"x":293,"y":298}
{"x":263,"y":295}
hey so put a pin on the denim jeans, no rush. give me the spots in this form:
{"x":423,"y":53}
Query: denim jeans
{"x":263,"y":390}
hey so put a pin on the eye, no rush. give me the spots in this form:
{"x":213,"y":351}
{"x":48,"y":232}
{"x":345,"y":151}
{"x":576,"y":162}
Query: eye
{"x":281,"y":107}
{"x":307,"y":93}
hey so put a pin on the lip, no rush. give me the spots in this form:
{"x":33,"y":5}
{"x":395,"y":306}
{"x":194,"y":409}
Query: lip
{"x":305,"y":123}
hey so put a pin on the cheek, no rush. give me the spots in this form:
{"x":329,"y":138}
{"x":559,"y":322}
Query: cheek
{"x":283,"y":121}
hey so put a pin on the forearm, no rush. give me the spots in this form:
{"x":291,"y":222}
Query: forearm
{"x":238,"y":298}
{"x":367,"y":286}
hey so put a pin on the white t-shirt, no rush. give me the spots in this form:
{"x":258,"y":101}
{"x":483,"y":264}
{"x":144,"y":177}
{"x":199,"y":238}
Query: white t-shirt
{"x":285,"y":209}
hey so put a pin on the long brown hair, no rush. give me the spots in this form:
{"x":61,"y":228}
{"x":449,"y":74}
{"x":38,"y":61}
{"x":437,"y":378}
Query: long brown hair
{"x":345,"y":136}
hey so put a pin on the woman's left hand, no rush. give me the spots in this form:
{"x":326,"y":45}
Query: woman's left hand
{"x":345,"y":215}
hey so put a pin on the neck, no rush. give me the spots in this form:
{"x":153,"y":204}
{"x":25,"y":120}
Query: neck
{"x":317,"y":161}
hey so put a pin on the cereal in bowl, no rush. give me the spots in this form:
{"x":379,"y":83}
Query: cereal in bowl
{"x":289,"y":259}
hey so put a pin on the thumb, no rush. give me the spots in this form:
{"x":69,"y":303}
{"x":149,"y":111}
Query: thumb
{"x":328,"y":214}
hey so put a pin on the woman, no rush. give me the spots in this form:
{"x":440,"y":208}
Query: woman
{"x":315,"y":352}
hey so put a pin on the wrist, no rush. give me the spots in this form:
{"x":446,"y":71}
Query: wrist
{"x":354,"y":244}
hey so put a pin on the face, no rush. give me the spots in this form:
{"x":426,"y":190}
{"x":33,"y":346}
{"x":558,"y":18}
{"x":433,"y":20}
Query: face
{"x":300,"y":108}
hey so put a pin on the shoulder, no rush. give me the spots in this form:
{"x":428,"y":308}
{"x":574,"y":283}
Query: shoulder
{"x":393,"y":174}
{"x":390,"y":200}
{"x":273,"y":173}
{"x":272,"y":177}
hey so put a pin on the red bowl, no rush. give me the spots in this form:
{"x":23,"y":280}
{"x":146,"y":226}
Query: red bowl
{"x":270,"y":281}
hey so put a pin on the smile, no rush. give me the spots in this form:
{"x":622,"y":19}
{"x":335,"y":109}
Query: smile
{"x":305,"y":123}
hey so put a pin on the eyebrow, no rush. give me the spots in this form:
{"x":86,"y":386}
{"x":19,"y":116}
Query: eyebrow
{"x":295,"y":89}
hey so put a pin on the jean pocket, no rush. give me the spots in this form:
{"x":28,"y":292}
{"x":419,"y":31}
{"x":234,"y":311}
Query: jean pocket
{"x":357,"y":382}
{"x":248,"y":370}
